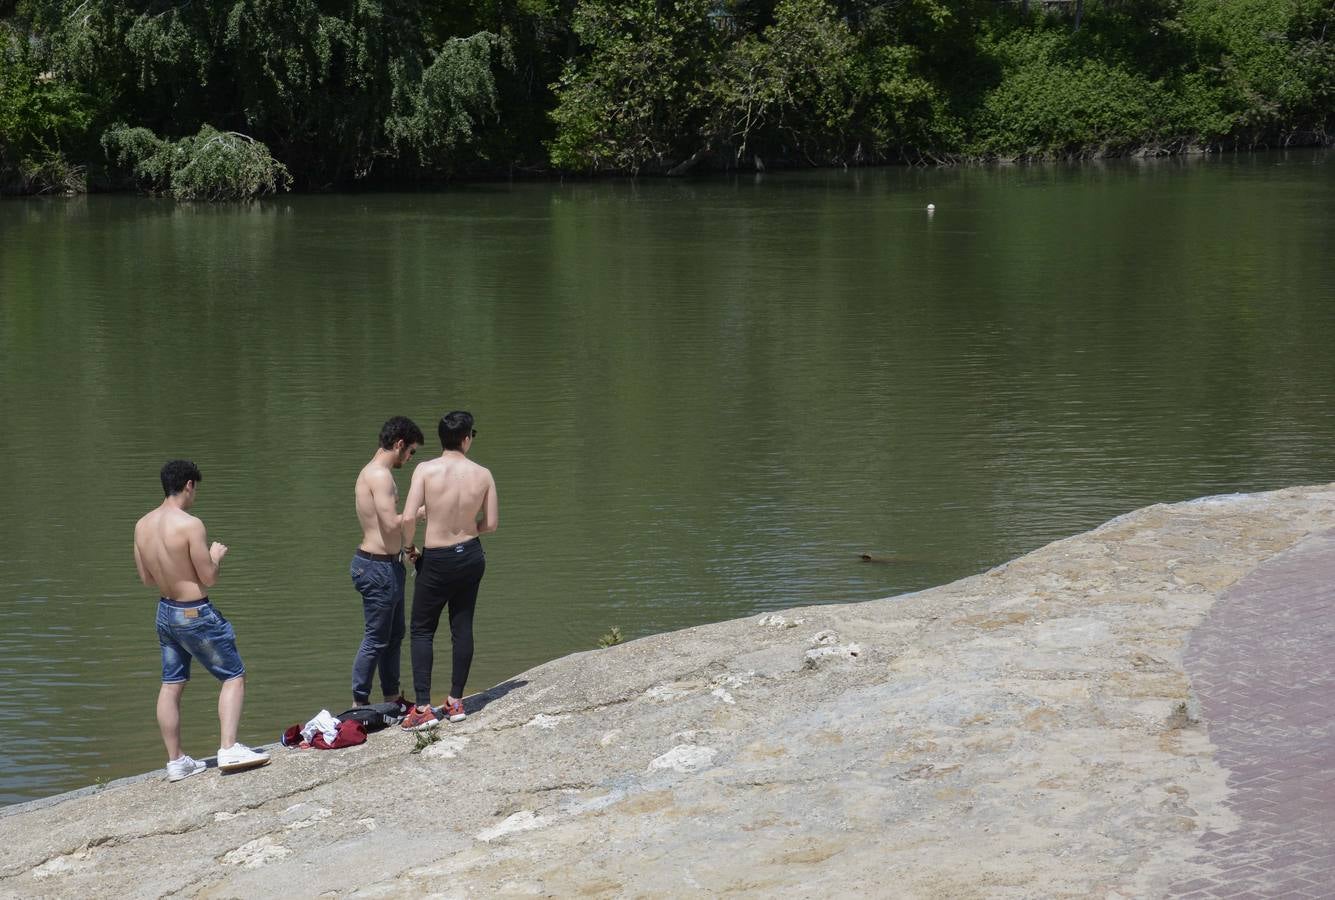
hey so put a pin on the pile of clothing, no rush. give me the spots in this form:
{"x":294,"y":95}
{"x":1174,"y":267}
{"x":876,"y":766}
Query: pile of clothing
{"x":348,"y":729}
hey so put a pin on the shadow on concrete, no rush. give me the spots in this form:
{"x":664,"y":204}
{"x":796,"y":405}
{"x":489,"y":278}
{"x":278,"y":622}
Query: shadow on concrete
{"x":479,"y":701}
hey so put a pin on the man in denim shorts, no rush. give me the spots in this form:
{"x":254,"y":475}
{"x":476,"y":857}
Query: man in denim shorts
{"x":171,"y":552}
{"x":377,"y":566}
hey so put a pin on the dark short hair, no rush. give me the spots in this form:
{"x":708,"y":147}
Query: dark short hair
{"x":176,"y":473}
{"x":454,"y":427}
{"x":400,"y":428}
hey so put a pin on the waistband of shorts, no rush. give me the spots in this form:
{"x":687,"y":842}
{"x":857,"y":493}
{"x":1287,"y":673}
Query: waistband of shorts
{"x":377,"y":557}
{"x":456,"y":548}
{"x":184,"y":604}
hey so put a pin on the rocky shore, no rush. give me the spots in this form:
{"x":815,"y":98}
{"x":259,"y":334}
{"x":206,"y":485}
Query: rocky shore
{"x":1030,"y":731}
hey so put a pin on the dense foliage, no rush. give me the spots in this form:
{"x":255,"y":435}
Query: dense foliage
{"x":211,"y":165}
{"x":41,"y":121}
{"x":225,"y":98}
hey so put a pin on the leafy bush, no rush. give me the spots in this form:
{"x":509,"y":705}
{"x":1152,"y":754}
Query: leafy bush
{"x":1052,"y":102}
{"x":40,"y":116}
{"x":211,"y":165}
{"x":1271,"y":64}
{"x":907,"y":114}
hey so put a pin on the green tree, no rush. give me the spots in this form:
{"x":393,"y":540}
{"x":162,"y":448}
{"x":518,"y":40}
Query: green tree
{"x":788,"y":90}
{"x":444,"y":108}
{"x":349,"y":90}
{"x":637,"y":96}
{"x":317,"y":81}
{"x":334,"y":87}
{"x":539,"y":37}
{"x":41,"y":117}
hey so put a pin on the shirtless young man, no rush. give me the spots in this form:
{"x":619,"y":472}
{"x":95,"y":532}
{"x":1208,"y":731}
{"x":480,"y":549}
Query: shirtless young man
{"x":377,"y":566}
{"x":171,"y":552}
{"x":460,"y":498}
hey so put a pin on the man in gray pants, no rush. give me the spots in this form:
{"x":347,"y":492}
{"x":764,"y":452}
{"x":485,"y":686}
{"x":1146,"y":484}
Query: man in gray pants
{"x":377,"y":567}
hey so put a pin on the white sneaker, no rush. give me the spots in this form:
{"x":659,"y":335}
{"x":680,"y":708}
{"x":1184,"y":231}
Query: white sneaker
{"x":239,"y":757}
{"x":183,"y":768}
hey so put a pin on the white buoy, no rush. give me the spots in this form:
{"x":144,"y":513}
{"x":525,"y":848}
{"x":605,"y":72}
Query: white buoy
{"x":931,"y":207}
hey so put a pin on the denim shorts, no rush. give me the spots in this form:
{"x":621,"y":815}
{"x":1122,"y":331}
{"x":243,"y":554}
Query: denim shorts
{"x":196,"y":631}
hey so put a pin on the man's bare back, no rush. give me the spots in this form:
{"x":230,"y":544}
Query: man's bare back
{"x":377,"y":509}
{"x":170,"y":552}
{"x":460,"y":499}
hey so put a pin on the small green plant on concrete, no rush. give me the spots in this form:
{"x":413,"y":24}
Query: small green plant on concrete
{"x":610,"y":639}
{"x":424,"y":739}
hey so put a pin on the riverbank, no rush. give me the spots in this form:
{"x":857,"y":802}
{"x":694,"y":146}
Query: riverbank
{"x":1028,"y":731}
{"x":13,"y":185}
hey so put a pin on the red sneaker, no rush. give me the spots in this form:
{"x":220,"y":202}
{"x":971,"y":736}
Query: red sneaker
{"x":454,"y":710}
{"x":420,"y":720}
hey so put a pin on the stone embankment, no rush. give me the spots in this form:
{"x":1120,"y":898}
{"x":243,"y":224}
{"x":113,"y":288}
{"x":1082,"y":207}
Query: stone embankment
{"x":1030,"y":731}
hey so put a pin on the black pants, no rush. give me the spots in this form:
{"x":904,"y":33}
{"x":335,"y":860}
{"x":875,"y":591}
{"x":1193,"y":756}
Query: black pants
{"x":448,"y":577}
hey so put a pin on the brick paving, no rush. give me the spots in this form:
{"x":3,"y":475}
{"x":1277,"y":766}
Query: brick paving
{"x":1263,"y":665}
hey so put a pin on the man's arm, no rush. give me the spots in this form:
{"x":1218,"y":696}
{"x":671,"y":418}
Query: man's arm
{"x":416,"y":494}
{"x":383,"y":495}
{"x":491,"y":516}
{"x":204,"y":558}
{"x":139,"y":564}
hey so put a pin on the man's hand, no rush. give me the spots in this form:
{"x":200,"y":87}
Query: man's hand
{"x":421,"y":513}
{"x":413,"y":553}
{"x":217,"y":551}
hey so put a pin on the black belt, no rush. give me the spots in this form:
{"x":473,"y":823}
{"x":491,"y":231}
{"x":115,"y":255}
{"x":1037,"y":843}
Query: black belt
{"x":184,"y":604}
{"x":455,"y":548}
{"x":378,"y":557}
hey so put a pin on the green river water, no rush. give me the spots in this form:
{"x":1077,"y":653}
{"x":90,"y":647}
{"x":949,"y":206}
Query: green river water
{"x":700,"y":401}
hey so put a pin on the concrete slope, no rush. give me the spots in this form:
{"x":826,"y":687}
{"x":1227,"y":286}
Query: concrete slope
{"x":1025,"y":732}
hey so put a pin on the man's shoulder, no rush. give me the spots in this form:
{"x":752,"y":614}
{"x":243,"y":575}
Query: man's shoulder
{"x":375,"y":475}
{"x":162,"y":517}
{"x":187,"y":521}
{"x":168,"y":522}
{"x":479,"y":476}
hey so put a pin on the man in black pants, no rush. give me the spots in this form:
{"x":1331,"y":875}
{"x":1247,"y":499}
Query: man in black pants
{"x":460,"y":500}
